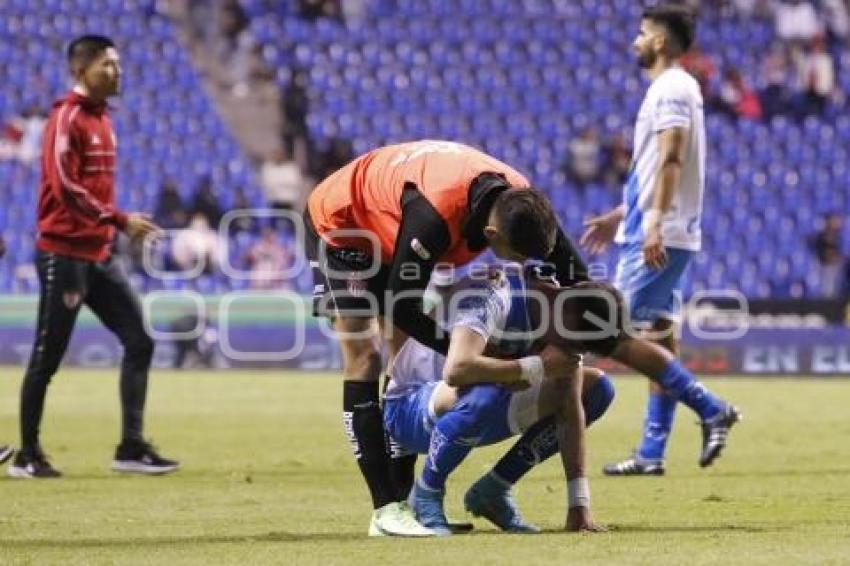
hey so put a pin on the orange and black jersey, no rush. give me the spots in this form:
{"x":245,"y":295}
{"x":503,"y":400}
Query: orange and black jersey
{"x":424,"y":203}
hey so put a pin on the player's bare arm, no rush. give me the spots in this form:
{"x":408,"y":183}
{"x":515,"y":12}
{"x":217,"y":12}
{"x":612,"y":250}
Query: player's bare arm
{"x":672,"y":148}
{"x":570,"y":421}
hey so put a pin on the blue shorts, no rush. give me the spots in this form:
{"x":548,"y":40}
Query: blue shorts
{"x":409,"y":419}
{"x":652,"y":294}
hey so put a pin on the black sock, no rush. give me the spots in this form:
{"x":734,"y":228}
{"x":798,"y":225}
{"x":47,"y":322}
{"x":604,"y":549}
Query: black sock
{"x":540,"y":441}
{"x":364,"y":424}
{"x":33,"y":393}
{"x":536,"y":445}
{"x":402,"y":469}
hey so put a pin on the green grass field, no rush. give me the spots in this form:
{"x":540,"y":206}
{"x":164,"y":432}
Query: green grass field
{"x":267,"y":478}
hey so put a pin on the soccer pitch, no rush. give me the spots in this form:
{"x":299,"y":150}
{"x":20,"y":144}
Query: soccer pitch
{"x":267,"y":478}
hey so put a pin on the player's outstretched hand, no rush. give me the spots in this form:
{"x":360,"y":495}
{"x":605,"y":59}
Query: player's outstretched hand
{"x":654,"y":254}
{"x":599,"y":232}
{"x":579,"y":521}
{"x":141,"y":226}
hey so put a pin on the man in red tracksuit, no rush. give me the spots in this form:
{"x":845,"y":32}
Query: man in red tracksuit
{"x":77,"y":220}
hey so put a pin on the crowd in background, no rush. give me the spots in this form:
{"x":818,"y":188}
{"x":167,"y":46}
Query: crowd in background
{"x":796,"y":78}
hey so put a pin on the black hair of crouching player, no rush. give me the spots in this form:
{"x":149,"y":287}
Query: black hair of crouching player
{"x":592,"y":316}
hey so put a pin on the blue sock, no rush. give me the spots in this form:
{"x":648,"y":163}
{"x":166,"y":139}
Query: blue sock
{"x":444,"y":455}
{"x":459,"y":430}
{"x":540,"y":442}
{"x":597,"y":399}
{"x":660,"y":411}
{"x":683,"y":386}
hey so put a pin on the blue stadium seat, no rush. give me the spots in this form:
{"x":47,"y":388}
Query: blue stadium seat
{"x":520,"y":79}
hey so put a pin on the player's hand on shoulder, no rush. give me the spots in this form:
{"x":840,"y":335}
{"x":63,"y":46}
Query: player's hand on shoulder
{"x":140,"y":226}
{"x":580,"y":521}
{"x":599,"y":232}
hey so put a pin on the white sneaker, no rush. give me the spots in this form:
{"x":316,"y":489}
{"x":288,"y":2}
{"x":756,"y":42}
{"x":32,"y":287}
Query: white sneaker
{"x":396,"y":520}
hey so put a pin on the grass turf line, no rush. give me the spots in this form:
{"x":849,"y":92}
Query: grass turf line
{"x":268,"y":479}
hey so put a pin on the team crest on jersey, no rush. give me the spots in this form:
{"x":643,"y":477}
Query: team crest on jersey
{"x":356,"y":287}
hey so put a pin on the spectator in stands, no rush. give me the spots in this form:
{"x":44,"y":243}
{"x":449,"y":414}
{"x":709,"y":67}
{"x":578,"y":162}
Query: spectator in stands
{"x":295,"y":106}
{"x":315,"y":9}
{"x":737,"y":97}
{"x":21,"y":137}
{"x":827,"y":247}
{"x":837,"y":17}
{"x":243,"y":222}
{"x":282,"y":180}
{"x":197,"y":243}
{"x":618,"y":161}
{"x":796,"y":21}
{"x":10,"y":140}
{"x":206,"y":202}
{"x":192,"y":351}
{"x":331,"y":156}
{"x":268,"y":259}
{"x":247,"y":67}
{"x":752,"y":8}
{"x":585,"y":157}
{"x":775,"y":76}
{"x":170,"y":212}
{"x":354,"y":12}
{"x":816,"y":76}
{"x":232,"y":22}
{"x":702,"y":68}
{"x":243,"y":63}
{"x":32,"y":128}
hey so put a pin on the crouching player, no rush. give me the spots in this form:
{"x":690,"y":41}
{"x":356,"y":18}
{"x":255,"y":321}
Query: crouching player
{"x":446,"y":406}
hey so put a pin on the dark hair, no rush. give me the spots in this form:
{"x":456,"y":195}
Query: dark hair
{"x":527,"y":221}
{"x":679,"y":21}
{"x":605,"y":305}
{"x":83,"y":50}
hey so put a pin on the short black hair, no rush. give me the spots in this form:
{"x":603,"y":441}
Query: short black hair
{"x":679,"y":21}
{"x":83,"y":50}
{"x":527,"y":221}
{"x":606,"y":305}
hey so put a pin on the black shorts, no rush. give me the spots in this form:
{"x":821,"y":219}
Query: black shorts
{"x":342,"y":284}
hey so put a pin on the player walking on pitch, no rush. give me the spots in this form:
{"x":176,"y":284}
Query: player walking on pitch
{"x":77,"y":219}
{"x":658,"y":225}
